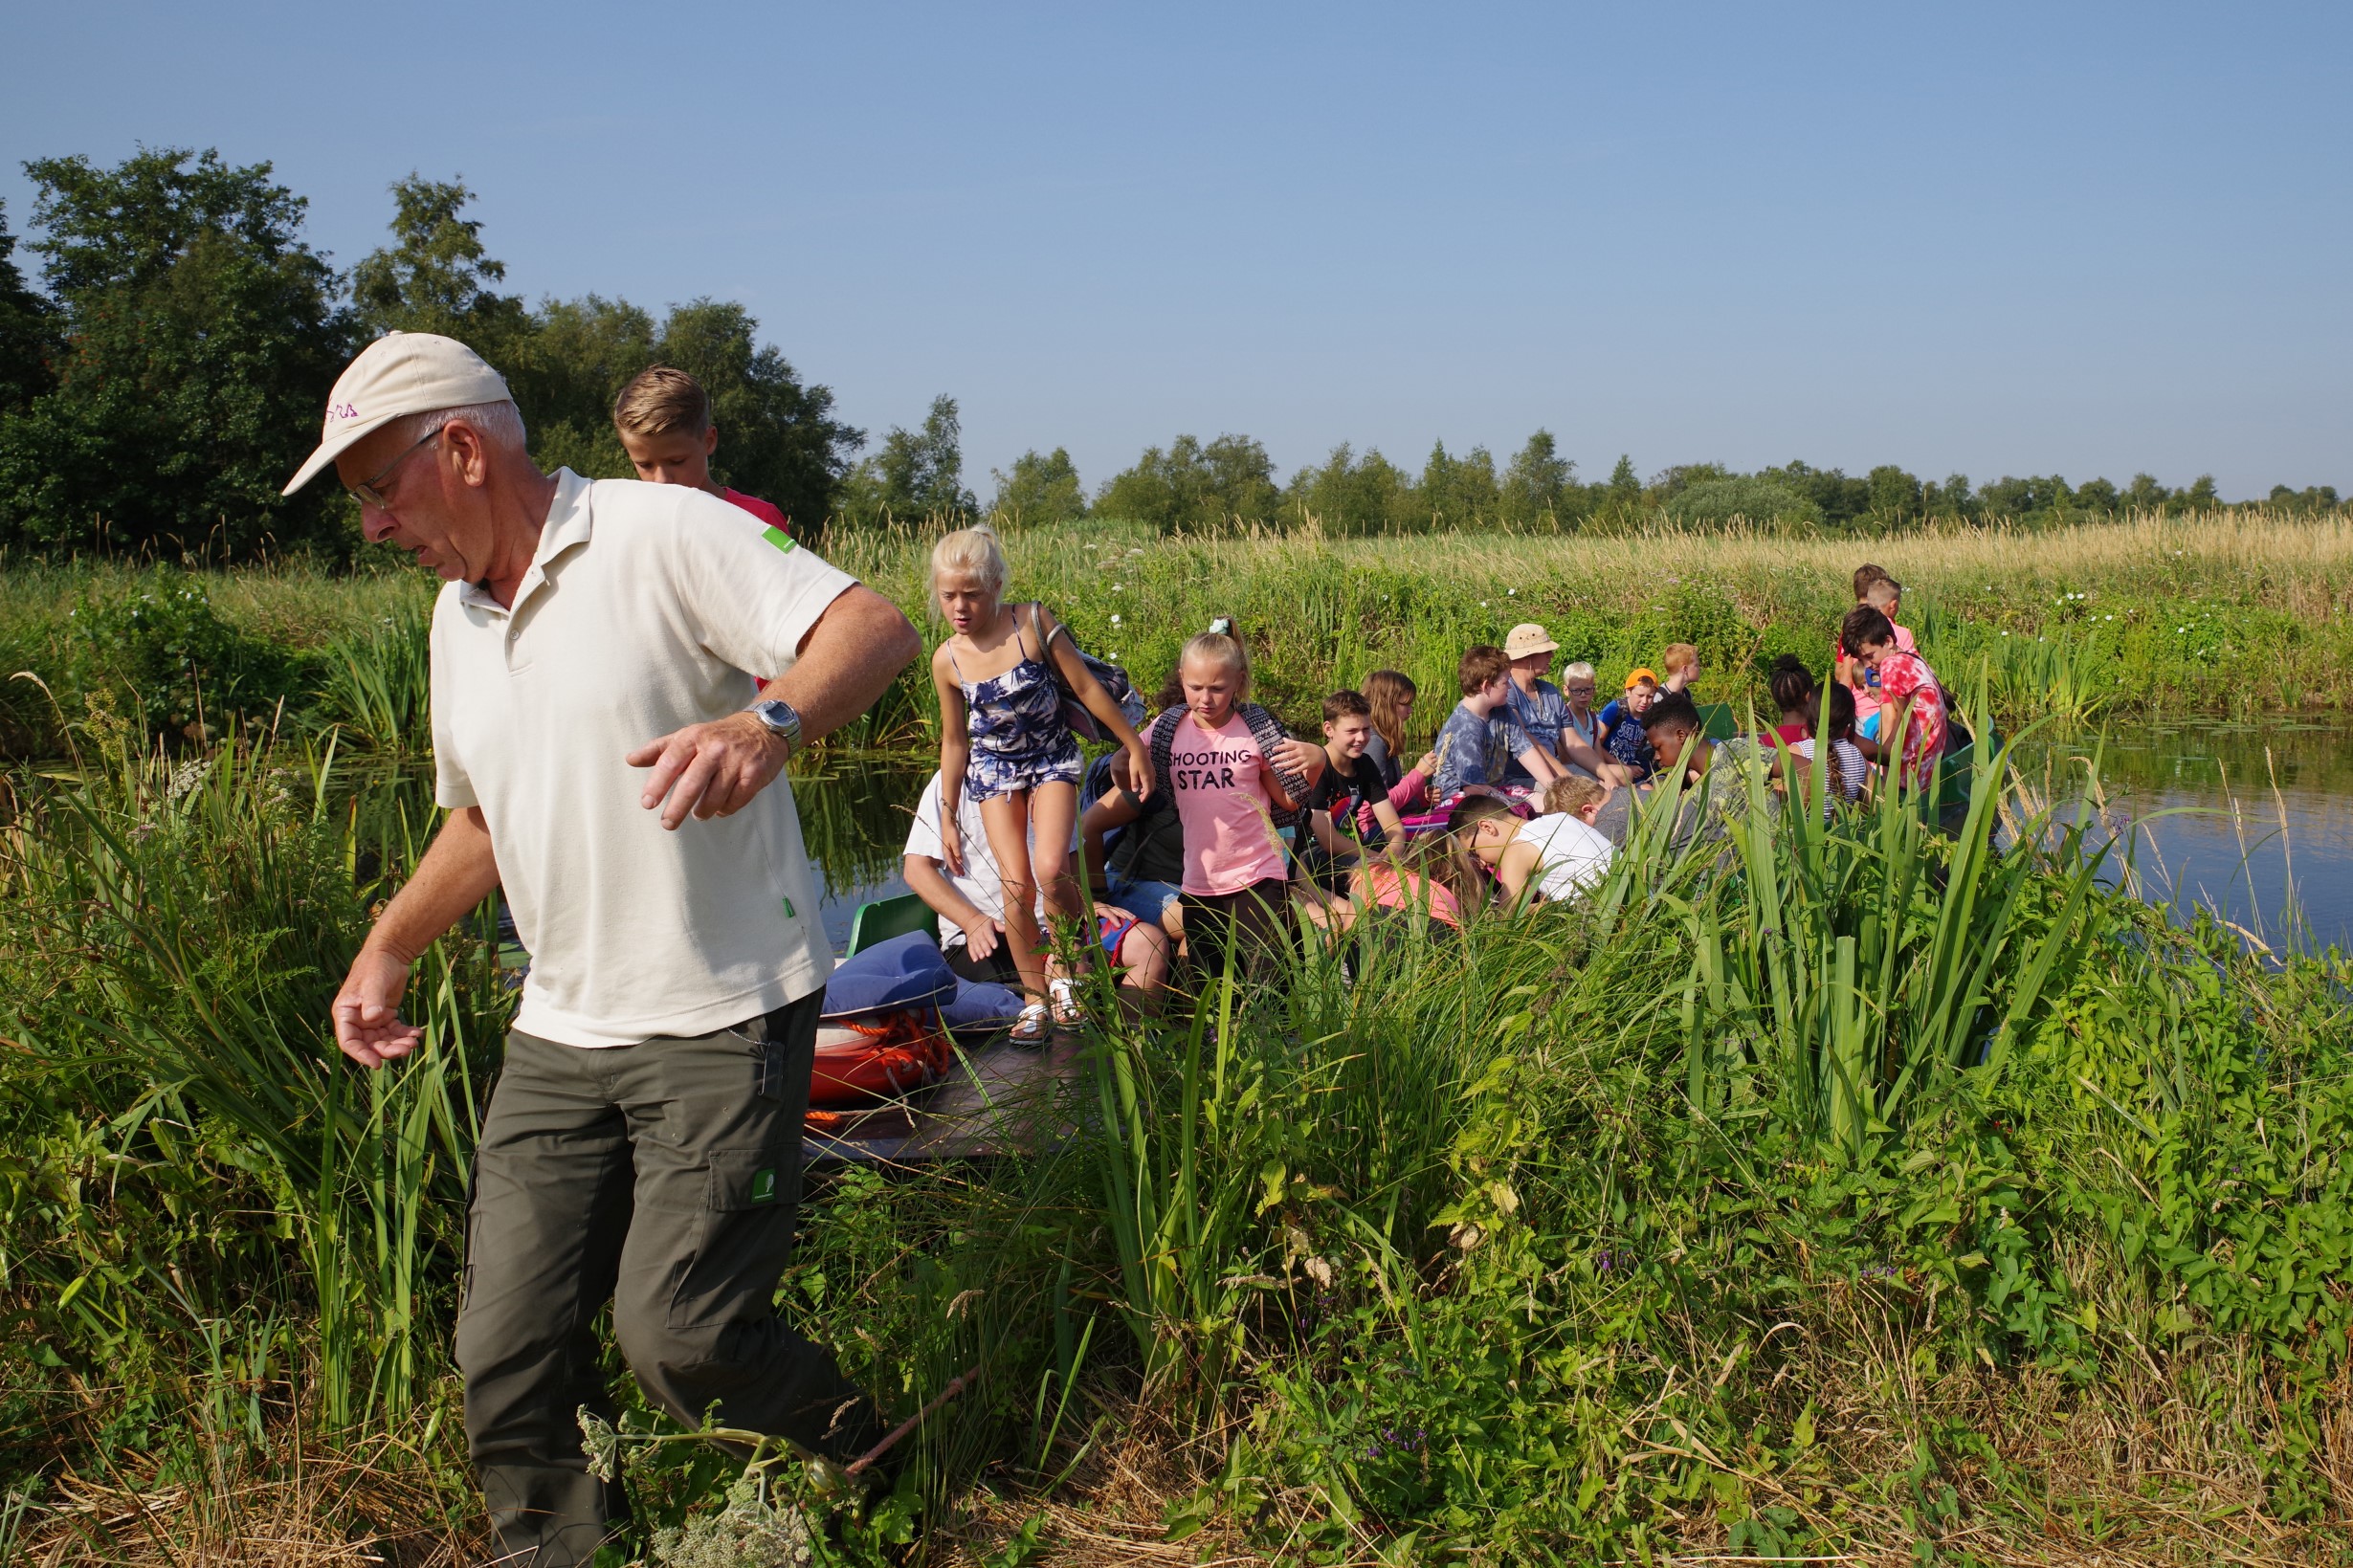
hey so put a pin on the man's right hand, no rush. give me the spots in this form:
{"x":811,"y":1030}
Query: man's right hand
{"x":982,"y":936}
{"x":367,"y":1022}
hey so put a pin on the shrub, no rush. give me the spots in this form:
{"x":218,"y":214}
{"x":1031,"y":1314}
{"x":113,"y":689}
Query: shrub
{"x":158,"y":641}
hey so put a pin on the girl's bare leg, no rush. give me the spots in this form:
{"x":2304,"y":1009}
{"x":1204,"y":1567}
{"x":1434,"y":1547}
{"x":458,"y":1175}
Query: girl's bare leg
{"x":1006,"y":817}
{"x":1054,"y":812}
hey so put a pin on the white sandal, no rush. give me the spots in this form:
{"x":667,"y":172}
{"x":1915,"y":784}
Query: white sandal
{"x":1032,"y":1027}
{"x":1067,"y":1013}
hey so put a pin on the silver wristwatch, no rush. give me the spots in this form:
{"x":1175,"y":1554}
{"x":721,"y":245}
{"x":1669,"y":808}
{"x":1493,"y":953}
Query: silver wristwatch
{"x":782,"y":718}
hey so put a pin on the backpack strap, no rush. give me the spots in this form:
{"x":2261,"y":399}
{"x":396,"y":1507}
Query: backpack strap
{"x":1161,"y":739}
{"x":1267,"y":731}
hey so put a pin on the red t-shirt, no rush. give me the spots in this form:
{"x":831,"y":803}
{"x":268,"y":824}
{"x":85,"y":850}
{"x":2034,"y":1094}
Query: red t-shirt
{"x":758,"y":508}
{"x":766,"y":513}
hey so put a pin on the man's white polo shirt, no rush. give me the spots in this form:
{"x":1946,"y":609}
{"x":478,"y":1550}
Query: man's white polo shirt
{"x":643,"y":608}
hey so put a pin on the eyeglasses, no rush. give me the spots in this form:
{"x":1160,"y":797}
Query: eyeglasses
{"x":368,"y":493}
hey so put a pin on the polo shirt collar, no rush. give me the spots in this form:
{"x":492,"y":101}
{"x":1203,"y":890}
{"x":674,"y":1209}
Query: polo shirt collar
{"x":570,"y":519}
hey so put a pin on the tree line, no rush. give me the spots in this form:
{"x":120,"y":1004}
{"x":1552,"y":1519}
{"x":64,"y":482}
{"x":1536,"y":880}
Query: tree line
{"x":168,"y":371}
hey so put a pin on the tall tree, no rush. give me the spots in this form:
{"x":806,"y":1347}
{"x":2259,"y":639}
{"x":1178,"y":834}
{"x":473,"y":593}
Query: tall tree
{"x":1459,"y":492}
{"x":917,"y":474}
{"x":1894,"y":494}
{"x":1195,"y":486}
{"x":1536,"y":482}
{"x":28,"y":330}
{"x":1040,"y":489}
{"x":200,"y":335}
{"x":437,"y":275}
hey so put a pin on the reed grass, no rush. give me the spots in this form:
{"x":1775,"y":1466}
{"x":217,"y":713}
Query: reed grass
{"x":1820,"y":1189}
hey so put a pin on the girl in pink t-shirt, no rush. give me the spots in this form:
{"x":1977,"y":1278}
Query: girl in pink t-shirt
{"x":1213,"y":756}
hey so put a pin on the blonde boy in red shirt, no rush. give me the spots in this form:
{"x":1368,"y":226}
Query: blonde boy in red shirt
{"x":663,"y":418}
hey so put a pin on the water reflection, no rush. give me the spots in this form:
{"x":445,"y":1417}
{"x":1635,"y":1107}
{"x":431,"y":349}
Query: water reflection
{"x":854,"y":808}
{"x":2254,"y":822}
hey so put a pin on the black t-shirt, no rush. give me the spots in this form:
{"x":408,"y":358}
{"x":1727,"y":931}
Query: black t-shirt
{"x":1342,"y":793}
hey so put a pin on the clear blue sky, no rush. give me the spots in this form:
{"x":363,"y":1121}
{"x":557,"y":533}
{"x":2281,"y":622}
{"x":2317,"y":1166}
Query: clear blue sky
{"x":2088,"y":239}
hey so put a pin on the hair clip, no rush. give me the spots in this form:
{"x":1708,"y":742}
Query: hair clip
{"x":1222,"y":626}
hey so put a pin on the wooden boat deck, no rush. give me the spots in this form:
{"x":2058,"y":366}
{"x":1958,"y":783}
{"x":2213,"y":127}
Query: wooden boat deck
{"x":1000,"y":1099}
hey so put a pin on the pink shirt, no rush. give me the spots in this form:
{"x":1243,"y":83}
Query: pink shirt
{"x":1221,"y":800}
{"x":764,"y":511}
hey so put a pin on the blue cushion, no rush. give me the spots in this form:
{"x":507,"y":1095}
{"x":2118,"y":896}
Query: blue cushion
{"x":905,"y":972}
{"x":980,"y":1006}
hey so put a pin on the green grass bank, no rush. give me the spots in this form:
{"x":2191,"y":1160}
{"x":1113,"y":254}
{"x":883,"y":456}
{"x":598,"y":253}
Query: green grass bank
{"x":2239,"y":612}
{"x":1844,"y":1192}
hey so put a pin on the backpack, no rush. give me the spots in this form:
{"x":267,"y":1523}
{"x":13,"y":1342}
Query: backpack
{"x":1264,"y":728}
{"x":1111,"y":678}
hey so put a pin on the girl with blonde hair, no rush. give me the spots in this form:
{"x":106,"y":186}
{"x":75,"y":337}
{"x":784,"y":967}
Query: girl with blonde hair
{"x":1001,"y":676}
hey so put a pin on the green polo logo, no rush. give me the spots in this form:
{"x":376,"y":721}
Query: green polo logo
{"x":763,"y":1186}
{"x":790,"y":912}
{"x":777,"y":538}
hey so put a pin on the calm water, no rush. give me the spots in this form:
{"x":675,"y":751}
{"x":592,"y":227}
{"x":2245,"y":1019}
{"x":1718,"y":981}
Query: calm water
{"x":2220,"y":815}
{"x":2252,"y":821}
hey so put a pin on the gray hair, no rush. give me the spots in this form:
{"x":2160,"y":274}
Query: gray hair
{"x":1579,"y":671}
{"x":499,"y":424}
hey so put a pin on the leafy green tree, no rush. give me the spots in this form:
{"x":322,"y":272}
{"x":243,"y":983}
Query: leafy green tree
{"x":1837,"y":499}
{"x":200,"y":335}
{"x":917,"y":474}
{"x":1743,"y":497}
{"x":2037,"y":497}
{"x":2201,"y":496}
{"x":1194,"y":486}
{"x":1040,"y":489}
{"x":2096,"y":496}
{"x":1894,"y":494}
{"x":1351,"y":496}
{"x":28,"y":330}
{"x":436,"y":276}
{"x":1953,"y":498}
{"x":2146,"y":495}
{"x":1536,"y":483}
{"x":566,"y":369}
{"x":1459,"y":491}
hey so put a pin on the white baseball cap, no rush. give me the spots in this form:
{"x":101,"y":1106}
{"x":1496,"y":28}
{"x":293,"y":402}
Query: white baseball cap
{"x":399,"y":374}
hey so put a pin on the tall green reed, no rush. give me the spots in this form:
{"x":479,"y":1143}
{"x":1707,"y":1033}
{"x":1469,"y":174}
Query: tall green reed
{"x":201,"y":914}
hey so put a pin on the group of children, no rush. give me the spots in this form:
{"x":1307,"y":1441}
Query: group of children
{"x":1209,"y":835}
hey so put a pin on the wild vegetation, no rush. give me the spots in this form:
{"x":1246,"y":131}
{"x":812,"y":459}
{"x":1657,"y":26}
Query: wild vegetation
{"x":2237,"y":612}
{"x":1849,"y":1190}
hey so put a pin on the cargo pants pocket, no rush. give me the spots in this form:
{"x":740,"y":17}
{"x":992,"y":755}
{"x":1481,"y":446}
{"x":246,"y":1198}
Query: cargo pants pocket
{"x":742,"y":1239}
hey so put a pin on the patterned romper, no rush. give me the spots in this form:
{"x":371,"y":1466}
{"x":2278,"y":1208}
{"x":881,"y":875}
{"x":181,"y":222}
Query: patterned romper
{"x":1020,"y":740}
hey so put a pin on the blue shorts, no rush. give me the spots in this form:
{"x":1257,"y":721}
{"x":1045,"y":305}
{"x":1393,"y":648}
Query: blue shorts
{"x":1148,"y":899}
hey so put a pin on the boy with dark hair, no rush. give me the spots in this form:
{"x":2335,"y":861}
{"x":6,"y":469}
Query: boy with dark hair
{"x":1912,"y":701}
{"x":1873,"y":586}
{"x":1352,"y":783}
{"x":663,"y":418}
{"x":1479,"y":738}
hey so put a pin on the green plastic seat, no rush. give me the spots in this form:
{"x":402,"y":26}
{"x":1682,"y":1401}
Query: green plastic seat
{"x":887,"y":917}
{"x":1718,"y":721}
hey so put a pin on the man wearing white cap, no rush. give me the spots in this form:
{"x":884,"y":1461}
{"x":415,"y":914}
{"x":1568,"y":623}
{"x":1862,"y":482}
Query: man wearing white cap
{"x":589,"y":697}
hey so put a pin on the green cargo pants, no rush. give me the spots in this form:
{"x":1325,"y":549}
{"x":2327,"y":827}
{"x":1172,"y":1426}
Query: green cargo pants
{"x":663,"y":1178}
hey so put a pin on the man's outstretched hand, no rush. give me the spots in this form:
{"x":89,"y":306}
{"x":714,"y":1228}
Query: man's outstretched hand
{"x":367,"y":1022}
{"x":709,"y":769}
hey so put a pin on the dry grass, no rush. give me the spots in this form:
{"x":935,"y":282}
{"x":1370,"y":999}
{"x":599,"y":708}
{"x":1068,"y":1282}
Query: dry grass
{"x":373,"y":1507}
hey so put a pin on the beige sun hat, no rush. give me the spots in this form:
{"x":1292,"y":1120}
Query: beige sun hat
{"x":399,"y":374}
{"x":1527,"y":637}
